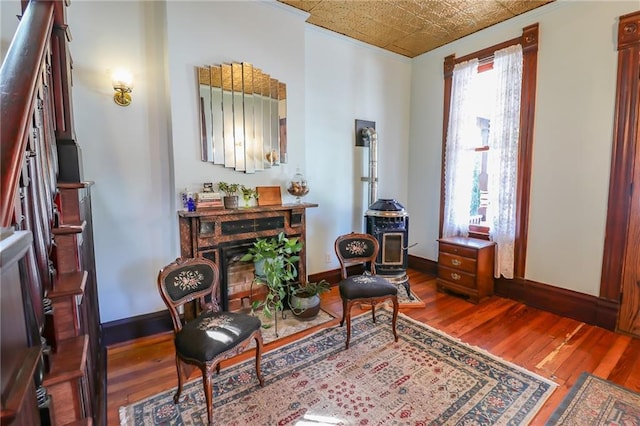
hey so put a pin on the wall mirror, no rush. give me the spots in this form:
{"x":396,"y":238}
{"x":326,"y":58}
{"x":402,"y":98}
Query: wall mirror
{"x":243,"y":117}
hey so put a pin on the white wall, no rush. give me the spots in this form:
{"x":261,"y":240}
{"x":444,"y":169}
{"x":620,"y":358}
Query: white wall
{"x":125,"y":150}
{"x":345,"y":81}
{"x":8,"y":23}
{"x":268,"y":36}
{"x":577,"y":62}
{"x":142,"y":155}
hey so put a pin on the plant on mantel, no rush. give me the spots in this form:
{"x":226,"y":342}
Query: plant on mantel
{"x":229,"y":189}
{"x":247,"y":194}
{"x":280,"y":256}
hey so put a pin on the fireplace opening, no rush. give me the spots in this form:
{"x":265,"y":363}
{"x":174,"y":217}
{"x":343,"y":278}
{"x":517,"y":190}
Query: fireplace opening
{"x":237,"y":287}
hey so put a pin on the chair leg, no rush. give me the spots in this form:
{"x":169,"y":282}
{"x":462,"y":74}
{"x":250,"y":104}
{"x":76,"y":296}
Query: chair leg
{"x":395,"y":317}
{"x":208,"y":393}
{"x":176,"y":397}
{"x":347,"y":313}
{"x":258,"y":339}
{"x":344,"y":311}
{"x":373,"y":312}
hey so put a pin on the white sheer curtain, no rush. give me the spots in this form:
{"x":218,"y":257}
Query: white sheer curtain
{"x":459,"y":154}
{"x":503,"y":156}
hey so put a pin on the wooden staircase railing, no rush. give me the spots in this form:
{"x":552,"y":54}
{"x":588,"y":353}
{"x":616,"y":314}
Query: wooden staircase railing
{"x":53,"y":364}
{"x":18,"y":83}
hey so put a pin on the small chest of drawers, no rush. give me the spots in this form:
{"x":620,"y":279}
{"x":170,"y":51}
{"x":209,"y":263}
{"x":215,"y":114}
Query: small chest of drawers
{"x":465,"y":266}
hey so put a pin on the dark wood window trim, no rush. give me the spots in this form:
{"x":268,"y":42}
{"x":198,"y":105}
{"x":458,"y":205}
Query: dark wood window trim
{"x":529,"y":42}
{"x":625,"y":145}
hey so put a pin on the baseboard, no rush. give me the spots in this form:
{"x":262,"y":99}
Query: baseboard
{"x":423,"y":265}
{"x":126,"y":329}
{"x":333,"y":276}
{"x":568,"y":303}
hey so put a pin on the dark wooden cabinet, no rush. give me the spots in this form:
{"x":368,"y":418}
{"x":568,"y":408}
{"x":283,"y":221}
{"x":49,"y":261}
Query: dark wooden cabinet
{"x":465,"y":266}
{"x":223,"y":235}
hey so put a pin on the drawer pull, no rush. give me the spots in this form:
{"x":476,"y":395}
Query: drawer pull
{"x":456,"y":262}
{"x":455,"y":276}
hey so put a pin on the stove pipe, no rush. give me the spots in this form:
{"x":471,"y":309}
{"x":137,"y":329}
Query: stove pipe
{"x":370,"y":135}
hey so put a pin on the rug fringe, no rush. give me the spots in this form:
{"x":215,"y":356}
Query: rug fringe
{"x":124,"y":417}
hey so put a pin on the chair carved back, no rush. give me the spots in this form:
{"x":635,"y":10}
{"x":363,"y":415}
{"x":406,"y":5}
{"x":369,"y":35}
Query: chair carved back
{"x":356,"y":248}
{"x":186,"y":280}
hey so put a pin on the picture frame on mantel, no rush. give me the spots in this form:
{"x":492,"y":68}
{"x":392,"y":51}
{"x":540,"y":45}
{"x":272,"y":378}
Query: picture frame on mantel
{"x":269,"y":196}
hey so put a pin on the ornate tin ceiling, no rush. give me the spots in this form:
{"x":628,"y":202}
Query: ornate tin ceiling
{"x":410,"y":27}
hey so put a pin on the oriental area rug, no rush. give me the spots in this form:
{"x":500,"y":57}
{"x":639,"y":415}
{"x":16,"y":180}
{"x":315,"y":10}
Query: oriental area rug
{"x":595,"y":401}
{"x":425,"y":378}
{"x":288,"y":324}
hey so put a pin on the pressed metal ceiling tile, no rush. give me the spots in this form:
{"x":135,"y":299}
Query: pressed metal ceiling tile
{"x":305,"y":5}
{"x":410,"y":27}
{"x":521,"y":6}
{"x":428,"y":40}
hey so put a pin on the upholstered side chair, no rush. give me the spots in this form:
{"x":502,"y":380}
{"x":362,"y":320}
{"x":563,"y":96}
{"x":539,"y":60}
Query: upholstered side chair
{"x":212,"y":336}
{"x":353,"y":249}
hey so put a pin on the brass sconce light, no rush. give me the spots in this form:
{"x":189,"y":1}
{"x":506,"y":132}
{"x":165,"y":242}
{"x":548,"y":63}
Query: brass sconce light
{"x":122,"y":84}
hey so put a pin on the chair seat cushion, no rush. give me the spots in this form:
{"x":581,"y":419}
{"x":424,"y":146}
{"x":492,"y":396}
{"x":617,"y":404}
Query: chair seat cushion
{"x":212,"y":333}
{"x":366,"y":286}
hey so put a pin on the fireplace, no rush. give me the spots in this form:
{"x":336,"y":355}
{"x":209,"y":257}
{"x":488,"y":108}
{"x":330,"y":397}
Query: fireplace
{"x":388,"y":221}
{"x":224,"y":235}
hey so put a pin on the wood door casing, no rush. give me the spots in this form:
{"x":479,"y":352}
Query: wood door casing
{"x":621,"y":260}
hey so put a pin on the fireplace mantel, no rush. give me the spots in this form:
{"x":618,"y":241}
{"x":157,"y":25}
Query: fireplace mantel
{"x":209,"y":233}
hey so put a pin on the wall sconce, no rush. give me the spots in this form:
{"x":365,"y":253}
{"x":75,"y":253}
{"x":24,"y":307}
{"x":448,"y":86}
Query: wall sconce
{"x":122,"y":84}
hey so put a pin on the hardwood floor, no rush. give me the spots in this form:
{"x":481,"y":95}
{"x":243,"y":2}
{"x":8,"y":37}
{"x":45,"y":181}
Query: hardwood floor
{"x":550,"y":345}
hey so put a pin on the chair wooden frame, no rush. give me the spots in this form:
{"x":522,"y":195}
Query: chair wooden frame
{"x":370,"y":260}
{"x":185,"y":365}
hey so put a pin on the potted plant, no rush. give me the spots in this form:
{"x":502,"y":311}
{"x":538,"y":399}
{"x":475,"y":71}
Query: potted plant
{"x":304,"y":300}
{"x":261,"y":249}
{"x":280,"y":256}
{"x":248,"y":194}
{"x":230,"y":191}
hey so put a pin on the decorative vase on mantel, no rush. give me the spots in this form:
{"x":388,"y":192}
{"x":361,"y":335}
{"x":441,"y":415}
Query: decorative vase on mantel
{"x":298,"y":186}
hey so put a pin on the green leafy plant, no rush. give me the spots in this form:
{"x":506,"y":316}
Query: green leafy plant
{"x":280,"y":255}
{"x":311,"y":289}
{"x":229,"y":189}
{"x":248,"y":194}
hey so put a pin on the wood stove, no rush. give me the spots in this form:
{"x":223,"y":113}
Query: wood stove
{"x":388,"y":221}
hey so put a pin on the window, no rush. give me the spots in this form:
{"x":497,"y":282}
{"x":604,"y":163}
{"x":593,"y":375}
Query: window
{"x":483,"y":96}
{"x":486,"y":163}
